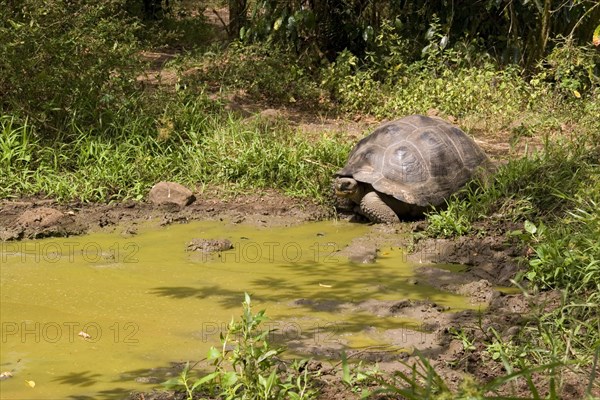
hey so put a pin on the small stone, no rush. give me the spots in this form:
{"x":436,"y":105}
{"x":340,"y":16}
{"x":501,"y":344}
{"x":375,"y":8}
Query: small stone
{"x":10,"y":234}
{"x":420,"y":226}
{"x":41,"y":217}
{"x":147,"y":379}
{"x":5,"y":375}
{"x":129,"y":231}
{"x":512,"y":331}
{"x":171,"y":193}
{"x":455,"y":348}
{"x":209,"y":245}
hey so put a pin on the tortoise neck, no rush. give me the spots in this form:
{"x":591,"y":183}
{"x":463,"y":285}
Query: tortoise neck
{"x":361,"y":191}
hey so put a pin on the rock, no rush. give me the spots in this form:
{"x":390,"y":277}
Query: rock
{"x":10,"y":234}
{"x":360,"y":253}
{"x":171,"y":193}
{"x":420,"y":226}
{"x":455,"y":348}
{"x":268,"y":118}
{"x":5,"y":375}
{"x":42,"y":217}
{"x":270,"y":114}
{"x":42,"y":222}
{"x":147,"y":379}
{"x":129,"y":232}
{"x":209,"y":245}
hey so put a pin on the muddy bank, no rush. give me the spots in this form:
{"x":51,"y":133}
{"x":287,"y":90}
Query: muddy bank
{"x":39,"y":218}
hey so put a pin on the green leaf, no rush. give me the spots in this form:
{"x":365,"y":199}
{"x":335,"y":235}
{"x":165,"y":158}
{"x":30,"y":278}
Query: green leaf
{"x":346,"y":369}
{"x":213,"y":353}
{"x":229,"y":379}
{"x":266,"y":355}
{"x":173,"y":383}
{"x":204,"y":379}
{"x":368,"y":34}
{"x":271,"y":381}
{"x":291,"y":25}
{"x":530,"y":227}
{"x":278,"y":23}
{"x":517,"y":232}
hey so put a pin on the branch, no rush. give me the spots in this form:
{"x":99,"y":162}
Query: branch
{"x":582,"y":18}
{"x":226,"y":26}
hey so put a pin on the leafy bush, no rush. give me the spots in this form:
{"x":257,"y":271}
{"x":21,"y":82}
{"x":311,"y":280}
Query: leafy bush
{"x":66,"y":61}
{"x":268,"y":75}
{"x":449,"y":222}
{"x":543,"y":186}
{"x":327,"y":28}
{"x":555,"y":194}
{"x":176,"y":24}
{"x":352,"y":87}
{"x":573,"y":70}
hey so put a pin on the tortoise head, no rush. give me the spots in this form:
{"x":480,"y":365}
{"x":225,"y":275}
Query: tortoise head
{"x":348,"y":187}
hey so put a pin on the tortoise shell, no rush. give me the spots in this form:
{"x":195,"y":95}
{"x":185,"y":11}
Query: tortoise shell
{"x":417,"y":159}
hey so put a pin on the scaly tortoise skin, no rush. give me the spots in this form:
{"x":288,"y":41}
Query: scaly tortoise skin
{"x":408,"y":166}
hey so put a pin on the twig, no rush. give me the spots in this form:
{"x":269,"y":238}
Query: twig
{"x":582,"y":18}
{"x":221,"y":19}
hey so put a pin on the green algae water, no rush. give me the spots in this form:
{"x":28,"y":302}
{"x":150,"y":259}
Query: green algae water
{"x":86,"y":317}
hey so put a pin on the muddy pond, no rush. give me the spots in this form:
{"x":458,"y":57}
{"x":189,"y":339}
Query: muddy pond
{"x":98,"y":316}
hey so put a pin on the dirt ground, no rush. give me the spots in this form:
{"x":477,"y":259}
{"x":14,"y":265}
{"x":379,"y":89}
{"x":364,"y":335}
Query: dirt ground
{"x":491,"y":262}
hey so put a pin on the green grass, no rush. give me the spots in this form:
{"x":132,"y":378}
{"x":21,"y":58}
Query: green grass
{"x":207,"y":150}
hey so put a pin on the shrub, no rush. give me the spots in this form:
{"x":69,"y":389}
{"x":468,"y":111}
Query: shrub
{"x":65,"y":61}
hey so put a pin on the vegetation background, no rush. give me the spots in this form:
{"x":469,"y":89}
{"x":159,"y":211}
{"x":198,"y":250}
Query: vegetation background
{"x":79,"y":120}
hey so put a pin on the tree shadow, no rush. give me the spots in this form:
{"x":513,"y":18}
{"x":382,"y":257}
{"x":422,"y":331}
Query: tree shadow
{"x":327,"y":302}
{"x":83,"y":379}
{"x":111,"y":394}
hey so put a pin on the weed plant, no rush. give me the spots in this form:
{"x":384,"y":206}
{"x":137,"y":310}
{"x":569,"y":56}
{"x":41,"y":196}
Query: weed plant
{"x":420,"y":381}
{"x":66,"y":61}
{"x":247,"y":366}
{"x":267,"y":75}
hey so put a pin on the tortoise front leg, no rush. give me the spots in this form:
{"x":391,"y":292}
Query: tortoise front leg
{"x":374,"y":208}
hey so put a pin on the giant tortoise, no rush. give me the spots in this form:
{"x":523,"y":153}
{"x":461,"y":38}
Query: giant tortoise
{"x":408,"y":166}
